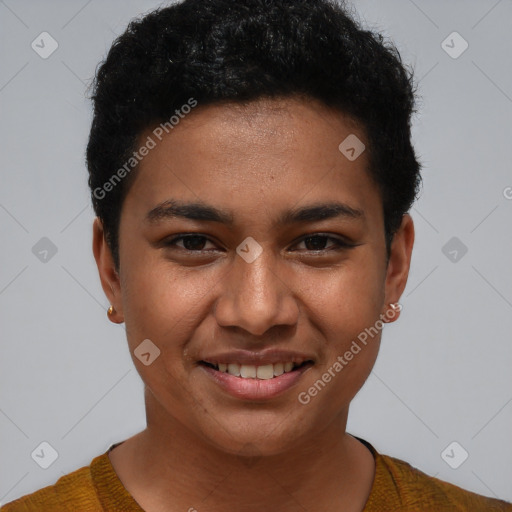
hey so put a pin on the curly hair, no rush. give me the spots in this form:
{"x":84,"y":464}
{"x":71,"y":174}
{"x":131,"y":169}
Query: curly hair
{"x":239,"y":51}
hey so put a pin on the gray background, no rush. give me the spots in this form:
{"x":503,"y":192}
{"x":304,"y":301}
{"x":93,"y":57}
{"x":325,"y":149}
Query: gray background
{"x":443,"y":373}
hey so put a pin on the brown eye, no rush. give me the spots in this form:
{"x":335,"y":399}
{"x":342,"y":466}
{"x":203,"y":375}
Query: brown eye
{"x":318,"y":243}
{"x":193,"y":243}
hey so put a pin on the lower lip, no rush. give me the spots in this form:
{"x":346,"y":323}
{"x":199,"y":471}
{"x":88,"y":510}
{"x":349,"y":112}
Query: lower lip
{"x":255,"y":389}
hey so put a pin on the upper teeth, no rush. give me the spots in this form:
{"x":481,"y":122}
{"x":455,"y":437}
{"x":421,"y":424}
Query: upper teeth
{"x":248,"y":371}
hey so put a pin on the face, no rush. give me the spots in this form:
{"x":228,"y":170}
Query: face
{"x":249,"y":239}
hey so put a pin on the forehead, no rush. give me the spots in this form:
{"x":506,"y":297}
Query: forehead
{"x":260,"y":156}
{"x":278,"y":124}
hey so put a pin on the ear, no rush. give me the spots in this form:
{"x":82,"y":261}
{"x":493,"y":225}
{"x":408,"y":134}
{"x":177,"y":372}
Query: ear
{"x":398,"y":265}
{"x":109,"y":277}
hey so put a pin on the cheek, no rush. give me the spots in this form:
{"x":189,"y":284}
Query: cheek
{"x":346,"y":301}
{"x":159,"y":306}
{"x":161,"y":300}
{"x":165,"y":305}
{"x":350,"y":329}
{"x":347,"y":311}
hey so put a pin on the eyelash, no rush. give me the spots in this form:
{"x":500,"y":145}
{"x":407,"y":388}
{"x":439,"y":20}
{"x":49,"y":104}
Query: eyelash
{"x":341,"y":245}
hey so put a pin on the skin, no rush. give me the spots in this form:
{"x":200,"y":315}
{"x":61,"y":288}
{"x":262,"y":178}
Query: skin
{"x":203,"y":448}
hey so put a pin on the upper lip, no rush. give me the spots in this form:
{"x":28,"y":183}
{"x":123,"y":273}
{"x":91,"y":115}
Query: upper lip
{"x":257,"y":358}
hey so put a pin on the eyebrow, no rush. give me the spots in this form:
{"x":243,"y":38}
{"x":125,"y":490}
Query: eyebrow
{"x":203,"y":212}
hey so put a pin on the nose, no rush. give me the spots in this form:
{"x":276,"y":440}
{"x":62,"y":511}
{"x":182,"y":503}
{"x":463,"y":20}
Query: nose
{"x":254,"y":297}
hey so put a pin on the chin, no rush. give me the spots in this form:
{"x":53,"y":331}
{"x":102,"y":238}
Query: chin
{"x":255,"y":438}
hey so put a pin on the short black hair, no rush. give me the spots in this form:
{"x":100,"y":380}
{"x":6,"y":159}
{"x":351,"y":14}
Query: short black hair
{"x":217,"y":51}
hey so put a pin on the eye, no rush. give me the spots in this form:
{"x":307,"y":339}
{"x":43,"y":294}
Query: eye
{"x":317,"y":243}
{"x":313,"y":243}
{"x":192,"y":243}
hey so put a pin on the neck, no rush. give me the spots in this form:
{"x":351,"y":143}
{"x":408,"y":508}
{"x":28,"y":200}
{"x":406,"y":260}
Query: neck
{"x":168,"y":464}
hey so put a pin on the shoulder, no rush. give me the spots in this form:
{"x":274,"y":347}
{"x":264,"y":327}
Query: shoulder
{"x":415,"y":490}
{"x":74,"y":491}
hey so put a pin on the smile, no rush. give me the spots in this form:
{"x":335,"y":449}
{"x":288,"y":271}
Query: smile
{"x":262,"y":372}
{"x":255,"y":382}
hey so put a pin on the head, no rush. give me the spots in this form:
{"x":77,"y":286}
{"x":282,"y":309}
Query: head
{"x":276,"y":136}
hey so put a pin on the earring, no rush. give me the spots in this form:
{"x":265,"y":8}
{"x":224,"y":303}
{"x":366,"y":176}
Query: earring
{"x":392,"y":314}
{"x":110,"y":311}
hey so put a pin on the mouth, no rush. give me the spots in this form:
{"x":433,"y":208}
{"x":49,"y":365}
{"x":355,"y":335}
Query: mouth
{"x":260,"y":372}
{"x":255,"y":375}
{"x":255,"y":382}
